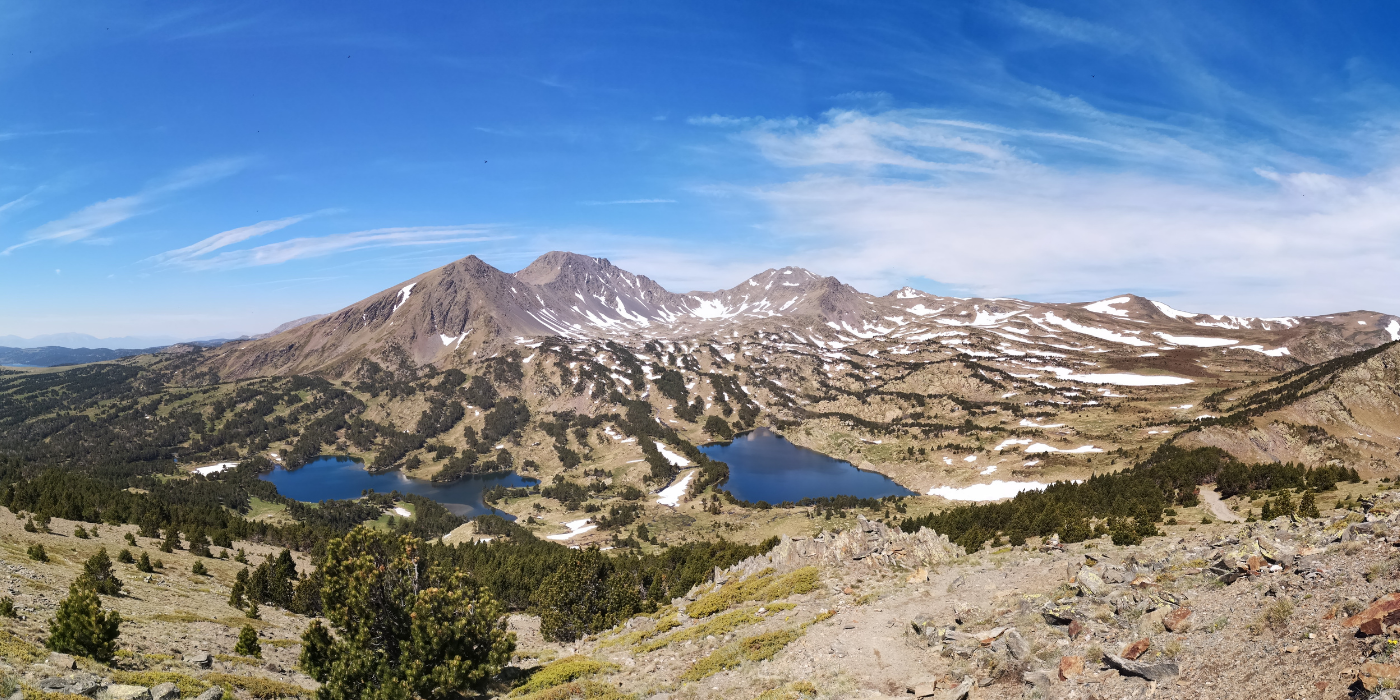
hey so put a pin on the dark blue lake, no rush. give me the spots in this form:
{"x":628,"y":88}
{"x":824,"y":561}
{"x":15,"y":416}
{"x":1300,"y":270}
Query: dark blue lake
{"x":343,"y":478}
{"x":764,"y":466}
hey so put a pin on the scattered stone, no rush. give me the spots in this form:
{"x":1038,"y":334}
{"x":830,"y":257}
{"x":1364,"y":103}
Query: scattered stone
{"x":165,"y":691}
{"x":1254,"y":564}
{"x":1071,"y":667}
{"x":1136,"y":649}
{"x":923,"y":690}
{"x":1176,"y":621}
{"x":985,"y":638}
{"x":1056,"y":618}
{"x":1075,"y":627}
{"x":1373,"y":620}
{"x":1152,"y":672}
{"x":199,"y":659}
{"x":920,"y":576}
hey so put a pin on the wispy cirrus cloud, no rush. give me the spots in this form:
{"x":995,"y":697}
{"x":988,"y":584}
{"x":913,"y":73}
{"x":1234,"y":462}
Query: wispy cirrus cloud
{"x":94,"y":218}
{"x":196,"y":257}
{"x":198,"y":251}
{"x":886,"y":197}
{"x":629,"y":201}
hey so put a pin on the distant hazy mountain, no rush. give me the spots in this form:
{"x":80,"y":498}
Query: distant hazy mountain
{"x":83,"y":340}
{"x":55,"y":356}
{"x":470,"y":309}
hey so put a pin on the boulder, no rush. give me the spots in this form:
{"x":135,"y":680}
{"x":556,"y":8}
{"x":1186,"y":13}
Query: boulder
{"x":1152,"y":672}
{"x":1038,"y":679}
{"x":1075,"y":627}
{"x":1071,"y":667}
{"x":922,"y":690}
{"x":1136,"y":649}
{"x":961,"y":692}
{"x":1017,"y":646}
{"x":62,"y":661}
{"x":199,"y":659}
{"x":126,"y":692}
{"x":1372,"y":674}
{"x":1090,"y":582}
{"x":1177,"y":620}
{"x":1374,"y":619}
{"x":213,"y":693}
{"x":165,"y":691}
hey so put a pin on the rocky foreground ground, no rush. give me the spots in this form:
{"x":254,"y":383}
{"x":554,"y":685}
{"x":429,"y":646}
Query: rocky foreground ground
{"x":1291,"y":608}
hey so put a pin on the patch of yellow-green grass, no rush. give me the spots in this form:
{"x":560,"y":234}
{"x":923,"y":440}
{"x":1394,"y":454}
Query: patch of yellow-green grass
{"x":663,"y":625}
{"x":261,"y":688}
{"x":16,"y":650}
{"x":382,"y":523}
{"x":236,"y":659}
{"x":764,"y":586}
{"x":189,"y":685}
{"x":565,"y":670}
{"x":755,"y":648}
{"x":279,"y":643}
{"x":718,"y":625}
{"x":258,"y":509}
{"x":801,"y":690}
{"x":184,"y":616}
{"x":579,"y":690}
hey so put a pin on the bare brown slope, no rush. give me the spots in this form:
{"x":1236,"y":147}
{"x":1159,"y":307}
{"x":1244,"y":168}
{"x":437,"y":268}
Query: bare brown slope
{"x":425,"y":317}
{"x":1350,"y":416}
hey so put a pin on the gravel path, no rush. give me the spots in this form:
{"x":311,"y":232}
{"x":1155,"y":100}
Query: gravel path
{"x":1221,"y":511}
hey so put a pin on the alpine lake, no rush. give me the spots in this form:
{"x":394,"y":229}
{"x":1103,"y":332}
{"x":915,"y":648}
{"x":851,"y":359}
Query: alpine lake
{"x":763,"y":466}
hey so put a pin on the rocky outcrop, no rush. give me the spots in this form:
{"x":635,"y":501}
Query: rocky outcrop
{"x":869,"y":544}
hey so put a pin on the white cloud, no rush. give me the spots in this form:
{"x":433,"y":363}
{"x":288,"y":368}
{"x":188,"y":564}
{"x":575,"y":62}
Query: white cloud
{"x":82,"y":224}
{"x":904,"y":194}
{"x":301,"y":248}
{"x":190,"y":253}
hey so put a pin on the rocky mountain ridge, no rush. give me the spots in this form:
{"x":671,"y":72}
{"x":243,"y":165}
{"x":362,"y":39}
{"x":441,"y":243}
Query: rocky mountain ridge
{"x":469,"y":309}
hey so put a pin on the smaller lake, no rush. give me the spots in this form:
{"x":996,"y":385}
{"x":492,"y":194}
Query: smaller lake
{"x":764,"y":466}
{"x":343,"y":478}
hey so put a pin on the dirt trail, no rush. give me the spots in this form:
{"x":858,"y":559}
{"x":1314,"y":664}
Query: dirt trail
{"x":1221,"y":511}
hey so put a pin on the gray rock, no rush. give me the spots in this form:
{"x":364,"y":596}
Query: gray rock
{"x":1019,"y":648}
{"x":165,"y":691}
{"x":62,"y":661}
{"x":213,"y":693}
{"x":199,"y":659}
{"x":54,"y":685}
{"x":962,"y":691}
{"x":126,"y":692}
{"x":1090,"y":582}
{"x":1039,"y":679}
{"x":1152,"y":672}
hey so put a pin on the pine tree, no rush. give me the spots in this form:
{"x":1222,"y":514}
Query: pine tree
{"x":125,"y":557}
{"x":403,"y":629}
{"x":98,"y":575}
{"x":240,"y":585}
{"x":82,"y":627}
{"x":1308,"y":507}
{"x":37,"y":553}
{"x":248,"y":643}
{"x":144,"y":563}
{"x":199,"y":569}
{"x":253,"y":613}
{"x":172,"y":540}
{"x":316,"y":651}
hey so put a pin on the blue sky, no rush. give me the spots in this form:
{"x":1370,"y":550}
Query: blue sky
{"x":206,"y":170}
